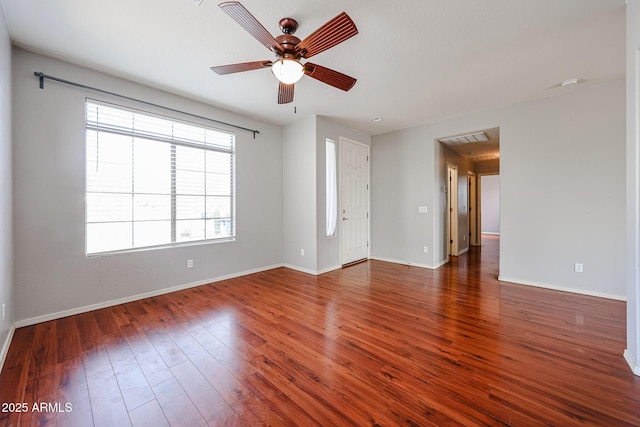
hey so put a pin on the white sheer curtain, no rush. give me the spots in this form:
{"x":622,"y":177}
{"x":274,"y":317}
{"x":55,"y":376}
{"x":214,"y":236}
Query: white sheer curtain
{"x":332,"y":188}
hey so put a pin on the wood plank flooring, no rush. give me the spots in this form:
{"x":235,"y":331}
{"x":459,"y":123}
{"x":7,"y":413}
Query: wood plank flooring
{"x":373,"y":344}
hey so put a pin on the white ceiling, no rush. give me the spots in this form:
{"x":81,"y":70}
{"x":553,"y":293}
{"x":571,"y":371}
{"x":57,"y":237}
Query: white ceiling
{"x":416,"y":61}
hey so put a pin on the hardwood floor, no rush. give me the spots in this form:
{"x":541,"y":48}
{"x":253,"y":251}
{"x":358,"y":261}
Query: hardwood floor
{"x":371,"y":344}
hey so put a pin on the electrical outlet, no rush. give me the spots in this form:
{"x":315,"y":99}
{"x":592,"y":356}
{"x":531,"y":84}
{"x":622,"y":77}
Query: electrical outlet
{"x":579,"y":268}
{"x":302,"y":252}
{"x":426,"y":249}
{"x":189,"y":263}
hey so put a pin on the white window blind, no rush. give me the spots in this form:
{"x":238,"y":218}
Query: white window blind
{"x":153,"y":181}
{"x":331,"y":188}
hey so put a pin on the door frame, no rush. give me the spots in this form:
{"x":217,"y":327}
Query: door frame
{"x":480,"y":175}
{"x":343,"y":139}
{"x":474,"y":210}
{"x":452,"y":209}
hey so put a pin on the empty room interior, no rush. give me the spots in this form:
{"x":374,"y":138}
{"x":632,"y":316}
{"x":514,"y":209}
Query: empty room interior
{"x":320,"y":213}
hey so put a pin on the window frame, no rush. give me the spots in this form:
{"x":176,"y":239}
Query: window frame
{"x":174,"y":143}
{"x":331,"y":187}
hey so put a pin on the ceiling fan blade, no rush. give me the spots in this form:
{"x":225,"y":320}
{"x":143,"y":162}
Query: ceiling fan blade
{"x":329,"y":76}
{"x":243,"y":17}
{"x":243,"y":66}
{"x":327,"y":36}
{"x":285,"y":93}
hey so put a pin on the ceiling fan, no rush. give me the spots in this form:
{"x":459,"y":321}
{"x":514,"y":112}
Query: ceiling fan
{"x":289,"y":49}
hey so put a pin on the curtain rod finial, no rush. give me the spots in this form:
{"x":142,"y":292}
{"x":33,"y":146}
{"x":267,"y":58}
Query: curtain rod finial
{"x":41,"y":76}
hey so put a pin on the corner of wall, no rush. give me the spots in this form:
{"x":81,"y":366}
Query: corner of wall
{"x":632,"y":352}
{"x":7,"y":283}
{"x":299,"y":194}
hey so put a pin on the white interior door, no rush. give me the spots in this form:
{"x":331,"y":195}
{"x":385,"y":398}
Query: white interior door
{"x":354,"y":201}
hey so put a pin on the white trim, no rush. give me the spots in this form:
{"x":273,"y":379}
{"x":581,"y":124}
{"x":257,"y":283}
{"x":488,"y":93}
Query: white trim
{"x":410,"y":264}
{"x":5,"y":346}
{"x":312,"y":272}
{"x":329,"y":269}
{"x":635,"y":368}
{"x":111,"y":303}
{"x":342,"y":139}
{"x":452,"y":206}
{"x":563,"y":289}
{"x":491,"y":233}
{"x":464,"y":251}
{"x":441,"y":263}
{"x":300,"y":269}
{"x":332,"y":192}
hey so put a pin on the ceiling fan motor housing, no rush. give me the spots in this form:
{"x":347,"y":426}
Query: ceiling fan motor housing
{"x":287,"y":40}
{"x":288,"y":25}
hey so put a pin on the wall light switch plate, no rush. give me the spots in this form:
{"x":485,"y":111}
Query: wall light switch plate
{"x":189,"y":263}
{"x":423,"y":209}
{"x":579,"y":268}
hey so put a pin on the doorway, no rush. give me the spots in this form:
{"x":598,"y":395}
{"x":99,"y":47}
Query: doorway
{"x":490,"y":204}
{"x":452,"y":209}
{"x":462,"y":159}
{"x":354,"y":201}
{"x":472,"y":202}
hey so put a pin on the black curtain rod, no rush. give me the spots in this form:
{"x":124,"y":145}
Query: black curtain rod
{"x":43,"y":76}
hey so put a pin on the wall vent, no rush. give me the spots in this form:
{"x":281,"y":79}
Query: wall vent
{"x":466,"y":139}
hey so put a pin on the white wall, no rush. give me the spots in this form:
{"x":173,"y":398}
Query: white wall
{"x":299,"y":193}
{"x":329,"y":247}
{"x":487,"y":166}
{"x":562,"y":190}
{"x":403,"y":178}
{"x":490,"y":203}
{"x":52,"y":273}
{"x":6,"y":227}
{"x":632,"y":353}
{"x":304,"y":187}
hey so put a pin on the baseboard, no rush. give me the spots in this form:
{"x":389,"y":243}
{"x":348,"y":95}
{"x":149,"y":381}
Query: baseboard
{"x":329,"y":269}
{"x":462,"y":252}
{"x":563,"y":289}
{"x":491,"y":233}
{"x":635,"y":368}
{"x":312,"y":272}
{"x":300,"y":269}
{"x":111,"y":303}
{"x":411,"y":264}
{"x":5,"y":346}
{"x":441,"y":263}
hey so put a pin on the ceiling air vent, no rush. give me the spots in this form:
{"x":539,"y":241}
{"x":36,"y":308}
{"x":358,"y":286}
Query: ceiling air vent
{"x":466,"y":139}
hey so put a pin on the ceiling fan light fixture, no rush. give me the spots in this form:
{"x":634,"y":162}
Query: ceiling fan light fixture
{"x":288,"y":71}
{"x":569,"y":82}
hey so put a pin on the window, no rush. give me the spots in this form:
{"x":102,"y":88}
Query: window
{"x":332,"y":188}
{"x":153,"y":181}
